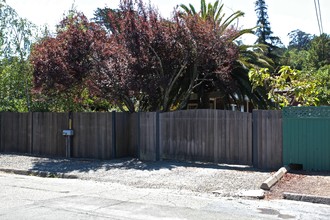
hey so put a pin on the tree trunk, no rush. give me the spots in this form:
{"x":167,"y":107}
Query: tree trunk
{"x":203,"y":100}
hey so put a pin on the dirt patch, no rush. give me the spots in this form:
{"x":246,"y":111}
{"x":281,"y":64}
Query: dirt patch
{"x":303,"y":183}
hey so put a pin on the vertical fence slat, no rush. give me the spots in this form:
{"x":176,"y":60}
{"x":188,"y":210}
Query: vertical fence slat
{"x":148,"y":136}
{"x":206,"y":135}
{"x":267,"y":139}
{"x":122,"y":134}
{"x":93,"y":135}
{"x":47,"y":133}
{"x":15,"y":132}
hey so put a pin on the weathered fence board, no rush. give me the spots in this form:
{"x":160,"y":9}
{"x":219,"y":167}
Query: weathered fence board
{"x":207,"y":135}
{"x":122,"y":135}
{"x":47,"y":133}
{"x":93,"y":135}
{"x":148,"y":138}
{"x":15,"y":132}
{"x":133,"y":135}
{"x":267,"y":139}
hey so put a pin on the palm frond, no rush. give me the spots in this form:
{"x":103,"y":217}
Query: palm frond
{"x":203,"y":8}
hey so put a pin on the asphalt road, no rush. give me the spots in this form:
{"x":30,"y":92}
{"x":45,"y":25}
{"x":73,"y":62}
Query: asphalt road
{"x":28,"y":197}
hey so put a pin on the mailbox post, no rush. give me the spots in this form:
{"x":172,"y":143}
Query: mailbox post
{"x":68,"y":134}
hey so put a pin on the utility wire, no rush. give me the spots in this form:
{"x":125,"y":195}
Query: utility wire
{"x":317,"y":16}
{"x":320,"y":15}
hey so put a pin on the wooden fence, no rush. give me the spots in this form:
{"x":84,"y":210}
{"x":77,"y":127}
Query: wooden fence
{"x":93,"y":135}
{"x":207,"y":135}
{"x":37,"y":133}
{"x":15,"y":135}
{"x":203,"y":135}
{"x":267,"y":139}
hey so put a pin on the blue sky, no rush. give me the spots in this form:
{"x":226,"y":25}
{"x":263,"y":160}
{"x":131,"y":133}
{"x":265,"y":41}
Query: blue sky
{"x":284,"y":15}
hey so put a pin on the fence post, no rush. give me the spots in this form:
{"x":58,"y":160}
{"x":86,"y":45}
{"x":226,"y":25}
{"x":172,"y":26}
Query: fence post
{"x":114,"y":139}
{"x":157,"y":137}
{"x":255,"y":138}
{"x":69,"y":138}
{"x":138,"y":129}
{"x":1,"y":132}
{"x":31,"y":133}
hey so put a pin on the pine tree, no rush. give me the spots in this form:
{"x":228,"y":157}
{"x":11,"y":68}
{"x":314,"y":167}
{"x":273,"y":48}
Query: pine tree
{"x":264,"y":31}
{"x":265,"y":34}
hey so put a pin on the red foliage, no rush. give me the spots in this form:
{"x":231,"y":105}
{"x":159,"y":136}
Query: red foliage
{"x":146,"y":62}
{"x":166,"y":59}
{"x":65,"y":61}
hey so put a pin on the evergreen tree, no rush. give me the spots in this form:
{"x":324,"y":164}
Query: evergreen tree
{"x":264,"y":31}
{"x":299,"y":40}
{"x":265,"y":34}
{"x":319,"y":52}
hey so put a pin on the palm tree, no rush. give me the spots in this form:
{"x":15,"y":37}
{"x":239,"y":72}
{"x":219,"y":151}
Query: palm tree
{"x":249,"y":55}
{"x":214,"y":13}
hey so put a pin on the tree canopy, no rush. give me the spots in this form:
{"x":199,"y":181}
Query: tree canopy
{"x":16,"y":37}
{"x":249,"y":55}
{"x":305,"y":82}
{"x":147,"y":63}
{"x":263,"y":31}
{"x":287,"y":87}
{"x":274,"y":46}
{"x":132,"y":59}
{"x":63,"y":65}
{"x":299,"y":40}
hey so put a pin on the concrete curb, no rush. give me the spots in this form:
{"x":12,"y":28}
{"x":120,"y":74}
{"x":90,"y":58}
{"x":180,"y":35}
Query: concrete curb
{"x":253,"y":194}
{"x":271,"y":181}
{"x":307,"y":198}
{"x":39,"y":173}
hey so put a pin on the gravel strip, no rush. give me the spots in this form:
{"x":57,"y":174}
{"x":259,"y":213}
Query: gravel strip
{"x":197,"y":178}
{"x":302,"y":182}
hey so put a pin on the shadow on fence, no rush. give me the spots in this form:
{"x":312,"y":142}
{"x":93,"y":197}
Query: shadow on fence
{"x":214,"y":136}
